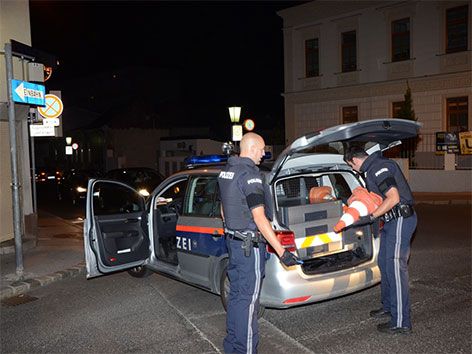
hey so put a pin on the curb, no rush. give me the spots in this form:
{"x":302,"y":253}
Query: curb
{"x":23,"y":286}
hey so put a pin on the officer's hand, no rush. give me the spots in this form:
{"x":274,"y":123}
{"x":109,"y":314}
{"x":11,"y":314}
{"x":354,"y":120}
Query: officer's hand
{"x":289,"y":259}
{"x":364,"y":220}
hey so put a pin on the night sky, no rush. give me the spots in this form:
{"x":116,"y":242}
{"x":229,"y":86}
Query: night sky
{"x":185,"y":61}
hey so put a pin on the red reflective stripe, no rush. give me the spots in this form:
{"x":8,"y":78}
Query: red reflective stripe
{"x":200,"y":229}
{"x":296,"y":299}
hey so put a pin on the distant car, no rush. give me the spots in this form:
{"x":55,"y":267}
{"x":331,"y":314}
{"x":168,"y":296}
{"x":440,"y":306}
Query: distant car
{"x":44,"y":175}
{"x":73,"y":185}
{"x":178,"y":229}
{"x":143,"y":179}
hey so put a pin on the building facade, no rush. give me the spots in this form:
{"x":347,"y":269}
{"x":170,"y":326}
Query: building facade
{"x":14,"y":24}
{"x":353,"y":60}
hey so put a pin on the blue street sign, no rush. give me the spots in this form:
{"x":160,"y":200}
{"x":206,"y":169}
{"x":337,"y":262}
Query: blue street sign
{"x":26,"y":92}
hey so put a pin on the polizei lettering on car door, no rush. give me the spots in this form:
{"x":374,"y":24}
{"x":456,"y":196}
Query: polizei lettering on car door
{"x":184,"y":243}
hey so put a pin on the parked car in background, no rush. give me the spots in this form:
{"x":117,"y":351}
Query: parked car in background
{"x":45,"y":175}
{"x":143,"y":179}
{"x":178,"y":229}
{"x":73,"y":184}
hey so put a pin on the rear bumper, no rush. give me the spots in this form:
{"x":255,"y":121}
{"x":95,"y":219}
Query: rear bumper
{"x":281,"y":284}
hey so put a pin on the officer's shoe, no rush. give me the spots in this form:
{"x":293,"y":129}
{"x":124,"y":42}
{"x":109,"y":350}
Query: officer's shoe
{"x":389,"y":329}
{"x":379,"y":313}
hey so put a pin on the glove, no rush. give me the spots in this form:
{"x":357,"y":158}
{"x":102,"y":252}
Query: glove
{"x":289,"y":259}
{"x":364,"y":220}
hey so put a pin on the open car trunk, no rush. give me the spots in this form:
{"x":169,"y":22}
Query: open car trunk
{"x":310,"y":205}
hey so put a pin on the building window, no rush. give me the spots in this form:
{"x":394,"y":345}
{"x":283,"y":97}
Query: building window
{"x":312,"y":61}
{"x":401,"y":39}
{"x":456,"y":29}
{"x":349,"y":52}
{"x":457,"y":112}
{"x":396,"y":108}
{"x":350,"y":114}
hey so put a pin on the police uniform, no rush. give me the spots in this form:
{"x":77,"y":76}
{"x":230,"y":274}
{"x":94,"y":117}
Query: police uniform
{"x":381,"y":174}
{"x":241,"y":190}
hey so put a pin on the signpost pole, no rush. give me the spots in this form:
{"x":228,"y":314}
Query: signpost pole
{"x":14,"y":164}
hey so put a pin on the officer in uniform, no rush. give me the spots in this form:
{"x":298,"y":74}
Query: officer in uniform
{"x":384,"y":177}
{"x":246,"y":228}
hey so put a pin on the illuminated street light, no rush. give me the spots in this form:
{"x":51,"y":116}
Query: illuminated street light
{"x":234,"y":113}
{"x":236,"y":129}
{"x":68,"y":140}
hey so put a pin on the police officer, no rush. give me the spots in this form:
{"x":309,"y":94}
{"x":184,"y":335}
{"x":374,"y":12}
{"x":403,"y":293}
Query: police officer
{"x":384,"y":177}
{"x":243,"y":202}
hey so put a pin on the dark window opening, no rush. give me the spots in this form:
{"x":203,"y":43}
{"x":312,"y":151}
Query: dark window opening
{"x":457,"y":114}
{"x":457,"y":29}
{"x":350,"y":114}
{"x":349,"y":51}
{"x":396,"y":108}
{"x":401,"y":39}
{"x":312,"y":65}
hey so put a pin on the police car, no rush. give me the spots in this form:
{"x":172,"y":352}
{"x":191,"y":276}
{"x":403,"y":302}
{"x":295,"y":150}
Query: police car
{"x":178,"y":230}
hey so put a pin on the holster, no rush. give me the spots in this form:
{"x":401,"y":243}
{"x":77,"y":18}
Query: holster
{"x":399,"y":210}
{"x":249,"y":238}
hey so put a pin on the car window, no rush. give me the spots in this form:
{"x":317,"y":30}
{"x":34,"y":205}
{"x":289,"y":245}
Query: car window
{"x":173,"y":195}
{"x":112,"y":198}
{"x":301,"y":190}
{"x":202,"y":197}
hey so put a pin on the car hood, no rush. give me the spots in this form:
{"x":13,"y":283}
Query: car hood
{"x":381,"y":131}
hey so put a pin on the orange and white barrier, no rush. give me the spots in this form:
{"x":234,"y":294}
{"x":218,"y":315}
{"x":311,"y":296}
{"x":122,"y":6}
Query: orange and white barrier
{"x":361,"y":203}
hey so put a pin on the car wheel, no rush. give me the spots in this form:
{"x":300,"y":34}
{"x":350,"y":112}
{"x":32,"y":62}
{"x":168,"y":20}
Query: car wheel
{"x":139,"y":272}
{"x":224,"y":293}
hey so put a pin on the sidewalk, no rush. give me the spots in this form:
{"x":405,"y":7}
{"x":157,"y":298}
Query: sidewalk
{"x":58,"y":253}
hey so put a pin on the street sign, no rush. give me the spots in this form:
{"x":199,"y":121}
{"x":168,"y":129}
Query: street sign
{"x":53,"y":107}
{"x":26,"y":92}
{"x":249,"y":124}
{"x":237,"y":132}
{"x":69,"y":150}
{"x":41,"y":130}
{"x":51,"y":121}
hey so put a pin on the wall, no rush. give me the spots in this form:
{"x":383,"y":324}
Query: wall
{"x":14,"y":24}
{"x":441,"y":181}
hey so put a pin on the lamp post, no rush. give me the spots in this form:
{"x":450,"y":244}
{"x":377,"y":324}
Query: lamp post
{"x":236,"y":128}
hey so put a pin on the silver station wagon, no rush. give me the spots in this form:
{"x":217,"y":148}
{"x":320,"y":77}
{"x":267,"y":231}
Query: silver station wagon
{"x":178,"y":230}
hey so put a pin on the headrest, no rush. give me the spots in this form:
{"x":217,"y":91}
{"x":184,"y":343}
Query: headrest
{"x":320,"y":194}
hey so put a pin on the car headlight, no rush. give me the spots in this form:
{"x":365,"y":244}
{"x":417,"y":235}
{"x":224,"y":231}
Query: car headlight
{"x":144,"y":192}
{"x":81,"y":189}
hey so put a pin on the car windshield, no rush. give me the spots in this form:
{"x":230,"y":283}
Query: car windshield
{"x":134,"y":176}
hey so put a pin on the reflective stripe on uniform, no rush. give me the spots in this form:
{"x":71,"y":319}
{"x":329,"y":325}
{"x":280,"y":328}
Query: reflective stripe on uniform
{"x":396,"y":267}
{"x":257,"y":270}
{"x":317,"y":240}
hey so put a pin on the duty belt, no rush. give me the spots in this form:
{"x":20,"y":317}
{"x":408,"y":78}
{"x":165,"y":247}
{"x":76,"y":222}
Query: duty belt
{"x":399,"y":210}
{"x":250,"y":238}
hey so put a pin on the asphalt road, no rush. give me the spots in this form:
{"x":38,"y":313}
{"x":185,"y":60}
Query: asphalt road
{"x":118,"y":313}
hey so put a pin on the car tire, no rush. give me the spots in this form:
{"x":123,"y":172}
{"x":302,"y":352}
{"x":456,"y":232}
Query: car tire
{"x":224,"y":292}
{"x":139,"y":272}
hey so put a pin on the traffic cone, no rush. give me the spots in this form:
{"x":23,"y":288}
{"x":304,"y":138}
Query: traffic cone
{"x":361,"y":203}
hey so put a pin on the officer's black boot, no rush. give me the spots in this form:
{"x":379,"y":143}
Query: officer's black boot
{"x":379,"y":313}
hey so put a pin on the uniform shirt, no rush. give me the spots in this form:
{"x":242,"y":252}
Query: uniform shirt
{"x":241,"y":189}
{"x":381,"y":174}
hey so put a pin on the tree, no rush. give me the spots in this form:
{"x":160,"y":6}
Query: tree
{"x":407,"y":111}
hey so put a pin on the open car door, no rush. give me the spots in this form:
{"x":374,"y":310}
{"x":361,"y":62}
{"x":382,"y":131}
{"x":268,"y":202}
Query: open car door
{"x":115,"y":228}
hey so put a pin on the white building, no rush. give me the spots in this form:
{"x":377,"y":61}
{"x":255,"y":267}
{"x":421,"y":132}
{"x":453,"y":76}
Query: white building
{"x":351,"y":60}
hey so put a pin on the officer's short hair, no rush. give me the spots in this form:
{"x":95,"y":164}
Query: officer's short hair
{"x":354,"y":151}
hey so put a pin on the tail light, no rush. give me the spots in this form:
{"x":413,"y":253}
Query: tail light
{"x":286,"y":239}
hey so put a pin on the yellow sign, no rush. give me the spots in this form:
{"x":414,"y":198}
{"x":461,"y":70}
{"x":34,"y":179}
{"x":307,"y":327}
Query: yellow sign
{"x":53,"y":108}
{"x":465,"y":139}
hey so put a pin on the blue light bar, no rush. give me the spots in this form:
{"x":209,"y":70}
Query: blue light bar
{"x":205,"y":159}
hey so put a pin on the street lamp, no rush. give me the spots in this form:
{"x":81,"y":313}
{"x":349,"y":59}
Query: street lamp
{"x":236,"y":129}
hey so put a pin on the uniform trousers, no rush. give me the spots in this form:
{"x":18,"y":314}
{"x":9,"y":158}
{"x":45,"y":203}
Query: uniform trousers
{"x":393,"y":263}
{"x":245,"y":276}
